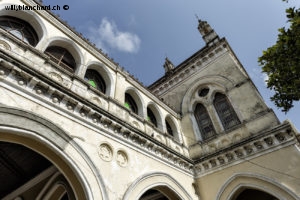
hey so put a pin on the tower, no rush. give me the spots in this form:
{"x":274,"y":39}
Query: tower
{"x":208,"y":34}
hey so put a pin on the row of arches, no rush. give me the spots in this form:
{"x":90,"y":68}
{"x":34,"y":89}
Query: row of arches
{"x":96,"y":76}
{"x":152,"y":114}
{"x":26,"y":33}
{"x":44,"y":182}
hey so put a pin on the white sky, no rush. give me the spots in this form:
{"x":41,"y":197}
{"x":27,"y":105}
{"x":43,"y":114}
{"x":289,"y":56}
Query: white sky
{"x":139,"y":34}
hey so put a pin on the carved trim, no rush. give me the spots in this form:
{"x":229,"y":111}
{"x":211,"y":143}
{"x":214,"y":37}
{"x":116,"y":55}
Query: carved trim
{"x":48,"y":93}
{"x":246,"y":150}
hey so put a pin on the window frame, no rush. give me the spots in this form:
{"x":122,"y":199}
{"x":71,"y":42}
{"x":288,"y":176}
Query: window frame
{"x":204,"y":122}
{"x":130,"y":103}
{"x":21,"y":26}
{"x":70,"y":65}
{"x":225,"y":111}
{"x":151,"y":117}
{"x":94,"y":75}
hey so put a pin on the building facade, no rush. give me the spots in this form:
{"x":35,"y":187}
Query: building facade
{"x":75,"y":125}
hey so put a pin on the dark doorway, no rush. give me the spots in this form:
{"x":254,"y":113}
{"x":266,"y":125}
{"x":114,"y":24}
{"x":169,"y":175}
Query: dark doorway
{"x":251,"y":194}
{"x":25,"y":173}
{"x":153,"y":195}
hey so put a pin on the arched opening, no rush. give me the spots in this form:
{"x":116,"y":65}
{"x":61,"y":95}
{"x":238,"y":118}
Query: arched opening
{"x":151,"y":117}
{"x":134,"y":99}
{"x":160,"y":184}
{"x":29,"y":175}
{"x":153,"y":195}
{"x":103,"y":71}
{"x":62,"y":57}
{"x":250,"y":194}
{"x":169,"y":128}
{"x":130,"y":103}
{"x":243,"y":186}
{"x":225,"y":111}
{"x":19,"y":28}
{"x":204,"y":122}
{"x":159,"y":193}
{"x":95,"y":80}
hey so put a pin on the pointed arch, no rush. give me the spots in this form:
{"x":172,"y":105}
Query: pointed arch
{"x":220,"y":82}
{"x":45,"y":138}
{"x":162,"y":182}
{"x":241,"y":181}
{"x":225,"y":111}
{"x":204,"y":122}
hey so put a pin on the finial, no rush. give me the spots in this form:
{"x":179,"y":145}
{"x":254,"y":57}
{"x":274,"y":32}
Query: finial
{"x":208,"y":34}
{"x":168,"y":66}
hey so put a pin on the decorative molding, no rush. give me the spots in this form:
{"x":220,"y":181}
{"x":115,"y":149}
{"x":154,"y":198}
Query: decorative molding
{"x":245,"y":150}
{"x":184,"y":71}
{"x":4,"y":45}
{"x":105,"y":152}
{"x":96,"y":117}
{"x":122,"y":158}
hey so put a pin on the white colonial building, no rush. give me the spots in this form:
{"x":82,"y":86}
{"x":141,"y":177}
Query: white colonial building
{"x":75,"y":125}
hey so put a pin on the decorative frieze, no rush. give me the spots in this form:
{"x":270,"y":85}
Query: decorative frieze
{"x":195,"y":65}
{"x":85,"y":113}
{"x":246,"y":150}
{"x":4,"y":45}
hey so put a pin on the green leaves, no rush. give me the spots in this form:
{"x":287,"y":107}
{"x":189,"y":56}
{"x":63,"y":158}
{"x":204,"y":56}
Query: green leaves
{"x":281,"y":63}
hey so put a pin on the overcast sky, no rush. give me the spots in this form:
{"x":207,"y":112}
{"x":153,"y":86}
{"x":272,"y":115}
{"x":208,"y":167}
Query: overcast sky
{"x":139,"y":34}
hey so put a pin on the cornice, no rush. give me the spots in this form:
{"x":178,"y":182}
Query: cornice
{"x":15,"y":73}
{"x":190,"y":66}
{"x":25,"y":79}
{"x":253,"y":146}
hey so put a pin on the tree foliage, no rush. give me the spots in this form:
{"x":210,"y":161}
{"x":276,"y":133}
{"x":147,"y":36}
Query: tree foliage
{"x":281,"y":63}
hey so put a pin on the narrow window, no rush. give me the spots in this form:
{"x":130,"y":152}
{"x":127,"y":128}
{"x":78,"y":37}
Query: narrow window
{"x":169,"y":128}
{"x":151,"y":117}
{"x":19,"y":28}
{"x":204,"y":122}
{"x":225,"y":111}
{"x":130,"y":103}
{"x":62,"y":57}
{"x":95,"y":80}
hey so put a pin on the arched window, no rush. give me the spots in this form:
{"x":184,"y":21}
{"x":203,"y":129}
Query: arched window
{"x":130,"y":103}
{"x":169,"y":128}
{"x":225,"y":111}
{"x":95,"y":80}
{"x":62,"y":57}
{"x":204,"y":122}
{"x":151,"y":117}
{"x":19,"y":28}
